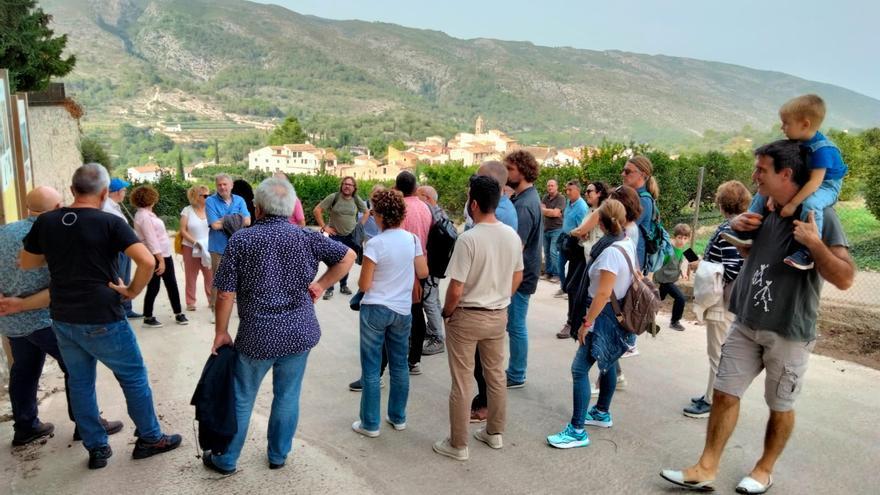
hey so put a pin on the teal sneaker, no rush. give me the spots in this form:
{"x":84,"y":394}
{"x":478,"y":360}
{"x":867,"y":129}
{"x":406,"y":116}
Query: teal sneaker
{"x":569,"y":438}
{"x":596,"y":417}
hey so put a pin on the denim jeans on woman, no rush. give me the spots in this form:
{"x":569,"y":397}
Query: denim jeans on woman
{"x":114,"y":345}
{"x":287,"y":375}
{"x":605,"y":343}
{"x":381,"y":327}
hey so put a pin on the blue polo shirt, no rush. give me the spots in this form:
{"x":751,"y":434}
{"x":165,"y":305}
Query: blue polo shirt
{"x":215,"y":209}
{"x":825,"y":154}
{"x":506,"y":213}
{"x":573,"y":215}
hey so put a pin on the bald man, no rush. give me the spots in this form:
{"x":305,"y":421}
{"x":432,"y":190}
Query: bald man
{"x":434,"y":335}
{"x":506,"y":212}
{"x":25,"y":320}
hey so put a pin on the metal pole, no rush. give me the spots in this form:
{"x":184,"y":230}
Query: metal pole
{"x":697,"y":202}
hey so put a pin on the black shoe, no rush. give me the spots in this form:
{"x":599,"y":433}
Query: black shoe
{"x":272,"y":465}
{"x":166,"y":443}
{"x":676,"y":325}
{"x":345,"y":290}
{"x":356,"y":386}
{"x":110,"y":427}
{"x":25,"y":437}
{"x":180,"y":319}
{"x":208,"y":461}
{"x":98,"y":456}
{"x":513,"y":384}
{"x":132,"y":315}
{"x":328,"y":294}
{"x":151,"y":321}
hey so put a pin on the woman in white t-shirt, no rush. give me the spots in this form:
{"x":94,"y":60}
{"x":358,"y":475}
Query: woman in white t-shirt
{"x":602,"y":339}
{"x":194,"y":230}
{"x":392,"y":261}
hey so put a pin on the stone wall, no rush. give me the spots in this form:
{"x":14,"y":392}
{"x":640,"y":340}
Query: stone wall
{"x":54,"y":147}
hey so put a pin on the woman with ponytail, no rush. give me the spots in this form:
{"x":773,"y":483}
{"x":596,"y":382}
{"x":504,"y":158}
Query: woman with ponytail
{"x":602,"y":339}
{"x":638,"y":173}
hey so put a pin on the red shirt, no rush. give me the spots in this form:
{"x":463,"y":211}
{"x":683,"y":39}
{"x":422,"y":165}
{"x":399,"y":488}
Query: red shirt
{"x":418,"y":220}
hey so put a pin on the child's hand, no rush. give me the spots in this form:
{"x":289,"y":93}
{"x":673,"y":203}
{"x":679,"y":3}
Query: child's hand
{"x":788,"y":210}
{"x":771,"y":204}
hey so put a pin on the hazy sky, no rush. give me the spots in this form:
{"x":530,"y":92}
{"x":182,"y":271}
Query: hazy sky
{"x":828,"y":41}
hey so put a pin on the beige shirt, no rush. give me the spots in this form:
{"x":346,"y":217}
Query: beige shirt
{"x":484,"y":260}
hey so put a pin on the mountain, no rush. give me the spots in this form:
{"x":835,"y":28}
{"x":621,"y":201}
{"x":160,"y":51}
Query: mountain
{"x":232,"y":59}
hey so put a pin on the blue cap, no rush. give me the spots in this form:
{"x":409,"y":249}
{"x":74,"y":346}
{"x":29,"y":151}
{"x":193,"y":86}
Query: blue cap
{"x":116,"y":184}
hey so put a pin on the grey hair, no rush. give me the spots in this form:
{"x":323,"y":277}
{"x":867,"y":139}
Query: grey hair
{"x":275,"y":197}
{"x":222,"y":176}
{"x":90,"y":179}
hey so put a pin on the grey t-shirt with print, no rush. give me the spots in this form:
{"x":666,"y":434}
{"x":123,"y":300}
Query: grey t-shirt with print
{"x":770,"y":295}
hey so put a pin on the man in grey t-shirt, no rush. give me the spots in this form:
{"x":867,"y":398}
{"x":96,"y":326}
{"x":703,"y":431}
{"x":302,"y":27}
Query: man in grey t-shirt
{"x":775,"y":327}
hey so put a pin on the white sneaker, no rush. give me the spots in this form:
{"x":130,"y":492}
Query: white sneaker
{"x":594,"y":391}
{"x":621,"y":382}
{"x":443,"y":447}
{"x":356,"y":426}
{"x":396,"y":426}
{"x":492,"y":440}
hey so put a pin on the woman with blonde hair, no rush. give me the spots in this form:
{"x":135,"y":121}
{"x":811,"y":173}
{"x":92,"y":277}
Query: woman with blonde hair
{"x":151,"y":230}
{"x":601,"y":337}
{"x":638,"y":173}
{"x":194,"y":230}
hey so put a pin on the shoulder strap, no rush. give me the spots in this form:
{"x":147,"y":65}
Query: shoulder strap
{"x":335,"y":199}
{"x":615,"y":303}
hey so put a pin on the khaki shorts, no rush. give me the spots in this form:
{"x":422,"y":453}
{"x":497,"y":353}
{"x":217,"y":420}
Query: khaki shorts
{"x":746,"y":352}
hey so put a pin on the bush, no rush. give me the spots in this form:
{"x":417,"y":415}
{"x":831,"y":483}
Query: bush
{"x":172,"y":199}
{"x":451,"y":183}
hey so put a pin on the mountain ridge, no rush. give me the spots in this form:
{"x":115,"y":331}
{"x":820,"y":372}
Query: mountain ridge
{"x":231,"y":51}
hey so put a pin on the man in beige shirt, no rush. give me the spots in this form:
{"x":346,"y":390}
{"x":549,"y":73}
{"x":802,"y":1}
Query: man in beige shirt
{"x":485,"y":269}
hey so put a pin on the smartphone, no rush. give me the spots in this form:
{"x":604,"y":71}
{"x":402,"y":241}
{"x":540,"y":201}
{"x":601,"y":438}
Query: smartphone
{"x":690,"y":255}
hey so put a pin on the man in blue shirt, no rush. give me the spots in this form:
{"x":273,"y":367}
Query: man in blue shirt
{"x":217,"y":207}
{"x":25,"y":320}
{"x":572,"y":216}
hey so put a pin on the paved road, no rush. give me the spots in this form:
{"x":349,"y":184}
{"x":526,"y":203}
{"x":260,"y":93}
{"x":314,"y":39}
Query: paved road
{"x":835,"y":447}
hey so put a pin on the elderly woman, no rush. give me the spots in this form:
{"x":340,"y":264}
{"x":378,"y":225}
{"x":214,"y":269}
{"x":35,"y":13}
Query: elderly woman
{"x":270,"y":268}
{"x":194,"y":230}
{"x":151,"y":230}
{"x":601,"y":337}
{"x":732,"y":198}
{"x":392,"y":262}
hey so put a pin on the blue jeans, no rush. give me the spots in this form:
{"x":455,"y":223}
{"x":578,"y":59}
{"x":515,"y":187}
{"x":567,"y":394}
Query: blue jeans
{"x":287,"y":375}
{"x":551,"y":252}
{"x":580,"y":374}
{"x":824,"y":197}
{"x":114,"y":345}
{"x":382,"y":327}
{"x":519,"y":337}
{"x":28,"y":356}
{"x":561,"y":259}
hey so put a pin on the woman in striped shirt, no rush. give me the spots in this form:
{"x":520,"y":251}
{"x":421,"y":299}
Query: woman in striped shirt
{"x":732,"y":198}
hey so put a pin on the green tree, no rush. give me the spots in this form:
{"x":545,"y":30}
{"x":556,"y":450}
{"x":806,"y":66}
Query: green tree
{"x":92,"y":152}
{"x":289,"y":132}
{"x":216,"y":152}
{"x":28,"y":48}
{"x":398,"y":144}
{"x":180,"y":173}
{"x":378,"y":147}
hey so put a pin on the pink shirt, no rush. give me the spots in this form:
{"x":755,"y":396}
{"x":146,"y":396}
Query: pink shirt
{"x":151,"y":229}
{"x":418,"y":219}
{"x":298,"y":216}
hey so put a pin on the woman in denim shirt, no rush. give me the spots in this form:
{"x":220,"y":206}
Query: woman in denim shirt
{"x":602,"y":340}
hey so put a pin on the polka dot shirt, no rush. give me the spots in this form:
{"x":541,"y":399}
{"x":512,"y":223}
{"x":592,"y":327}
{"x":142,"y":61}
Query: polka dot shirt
{"x":270,"y":266}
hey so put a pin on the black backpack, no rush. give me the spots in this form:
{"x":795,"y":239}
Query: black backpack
{"x":441,"y":242}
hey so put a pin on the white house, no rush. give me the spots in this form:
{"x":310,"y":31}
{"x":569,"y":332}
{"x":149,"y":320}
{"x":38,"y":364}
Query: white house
{"x":147,"y":173}
{"x":291,"y":159}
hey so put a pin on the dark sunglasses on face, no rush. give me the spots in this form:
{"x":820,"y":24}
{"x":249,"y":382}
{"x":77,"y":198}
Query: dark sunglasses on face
{"x":591,"y":190}
{"x":206,"y":196}
{"x":627,"y":171}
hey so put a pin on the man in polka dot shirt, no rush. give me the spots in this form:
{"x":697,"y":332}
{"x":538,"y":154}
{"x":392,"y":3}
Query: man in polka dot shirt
{"x":270,"y":268}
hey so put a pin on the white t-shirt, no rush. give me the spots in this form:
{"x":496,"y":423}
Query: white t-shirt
{"x":484,"y":260}
{"x":393,"y":252}
{"x":612,"y":260}
{"x":197,"y":227}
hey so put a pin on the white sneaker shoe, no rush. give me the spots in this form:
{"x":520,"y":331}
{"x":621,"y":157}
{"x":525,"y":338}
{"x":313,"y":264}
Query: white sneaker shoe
{"x":396,"y":426}
{"x":492,"y":440}
{"x":356,"y":426}
{"x":443,"y":447}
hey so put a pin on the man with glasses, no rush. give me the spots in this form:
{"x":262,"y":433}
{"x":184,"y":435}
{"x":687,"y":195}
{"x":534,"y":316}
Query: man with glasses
{"x":343,"y":207}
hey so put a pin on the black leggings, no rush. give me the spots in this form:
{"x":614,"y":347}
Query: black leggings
{"x":170,"y":287}
{"x":678,"y":299}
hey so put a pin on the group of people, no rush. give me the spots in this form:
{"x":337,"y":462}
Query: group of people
{"x":65,"y":287}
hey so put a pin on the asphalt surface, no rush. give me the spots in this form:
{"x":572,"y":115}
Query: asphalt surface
{"x":835,"y":447}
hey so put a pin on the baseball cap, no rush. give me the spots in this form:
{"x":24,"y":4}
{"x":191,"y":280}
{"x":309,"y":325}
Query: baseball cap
{"x":117,"y":184}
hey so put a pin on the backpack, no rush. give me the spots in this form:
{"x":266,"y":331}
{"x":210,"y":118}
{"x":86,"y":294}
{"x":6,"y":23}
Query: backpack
{"x":441,"y":242}
{"x":638,"y":310}
{"x":657,"y":242}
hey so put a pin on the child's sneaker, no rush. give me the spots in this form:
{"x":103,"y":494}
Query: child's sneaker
{"x":595,"y":417}
{"x":801,"y":260}
{"x":737,"y":239}
{"x":569,"y":438}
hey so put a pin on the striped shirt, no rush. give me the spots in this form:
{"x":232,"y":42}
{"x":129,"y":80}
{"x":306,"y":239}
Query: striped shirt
{"x":720,"y":251}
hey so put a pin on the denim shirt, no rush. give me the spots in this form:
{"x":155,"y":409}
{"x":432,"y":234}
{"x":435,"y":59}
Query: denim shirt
{"x":15,"y":282}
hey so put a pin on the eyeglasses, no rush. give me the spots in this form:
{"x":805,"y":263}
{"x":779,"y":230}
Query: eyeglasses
{"x":590,"y":190}
{"x":349,"y":184}
{"x":627,"y":171}
{"x":206,"y":196}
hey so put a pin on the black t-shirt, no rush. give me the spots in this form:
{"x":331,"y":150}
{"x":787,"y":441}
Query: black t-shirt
{"x":82,"y":247}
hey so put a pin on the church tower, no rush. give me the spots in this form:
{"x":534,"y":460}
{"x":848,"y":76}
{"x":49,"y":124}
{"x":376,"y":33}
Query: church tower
{"x":480,"y":127}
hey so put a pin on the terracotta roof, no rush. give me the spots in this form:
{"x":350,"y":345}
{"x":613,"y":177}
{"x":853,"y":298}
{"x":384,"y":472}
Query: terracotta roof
{"x":301,"y":147}
{"x":146,"y":169}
